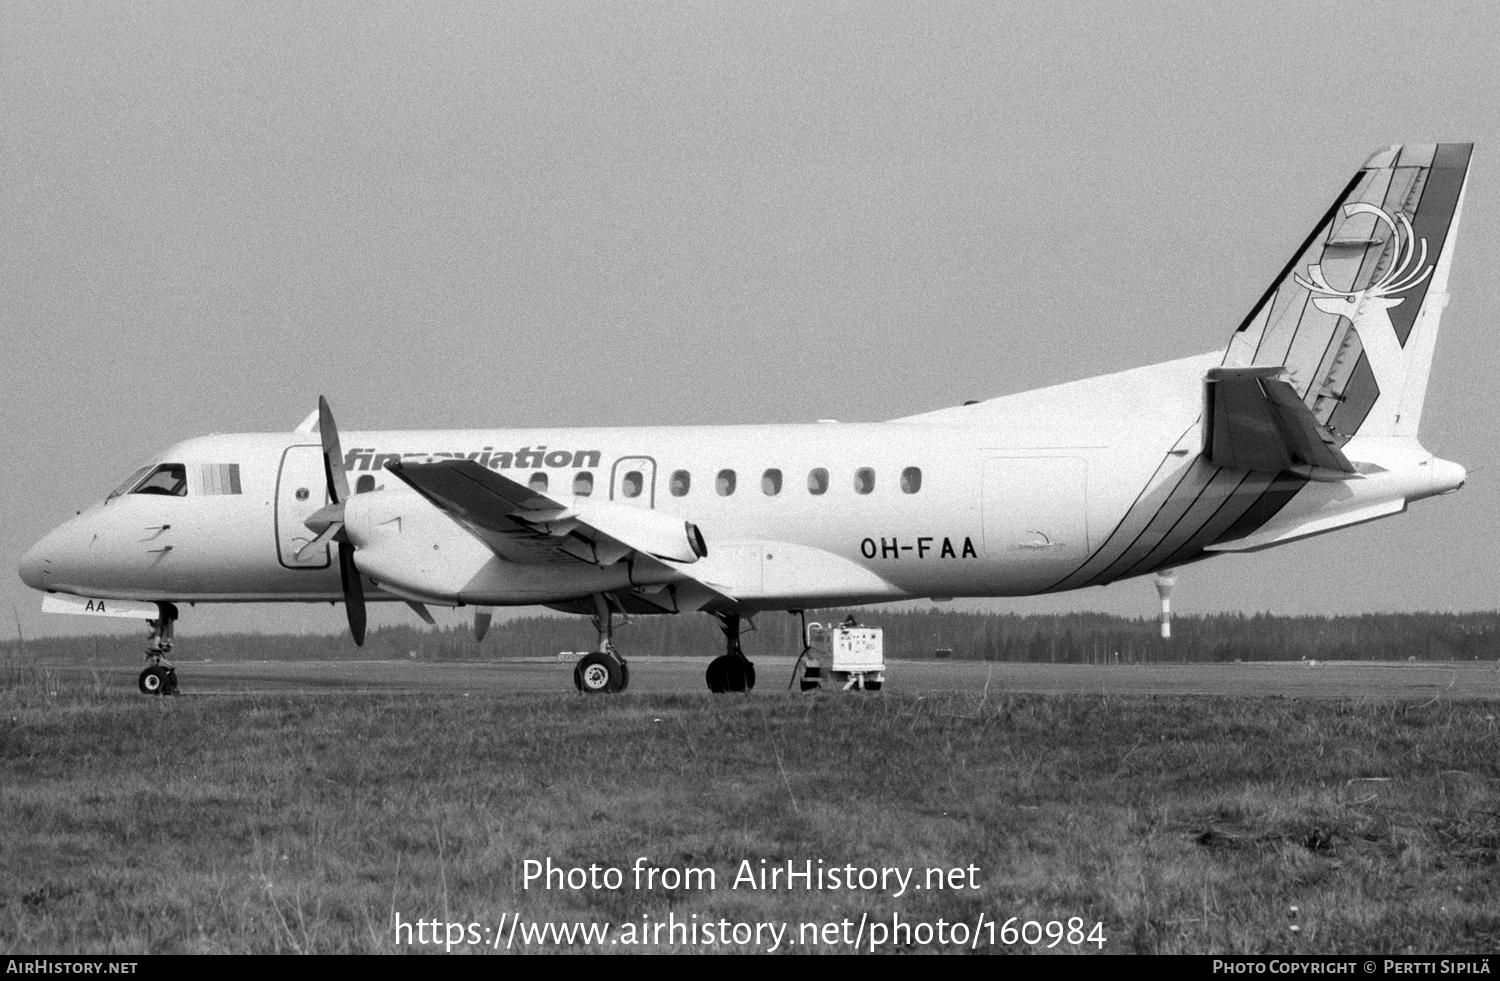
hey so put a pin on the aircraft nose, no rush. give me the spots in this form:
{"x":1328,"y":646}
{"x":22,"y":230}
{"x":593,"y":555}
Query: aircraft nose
{"x":50,"y":558}
{"x":34,"y":567}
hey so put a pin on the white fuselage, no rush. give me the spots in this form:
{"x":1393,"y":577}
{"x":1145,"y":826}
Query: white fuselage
{"x":1054,"y":489}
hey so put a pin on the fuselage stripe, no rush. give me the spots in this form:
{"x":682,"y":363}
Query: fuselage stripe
{"x":1132,"y":525}
{"x":1210,"y":498}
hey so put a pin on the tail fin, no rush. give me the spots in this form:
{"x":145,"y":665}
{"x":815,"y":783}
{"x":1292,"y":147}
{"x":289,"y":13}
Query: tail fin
{"x":1353,"y":318}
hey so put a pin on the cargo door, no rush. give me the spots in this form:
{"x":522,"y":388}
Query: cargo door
{"x":1036,"y":516}
{"x":301,"y":488}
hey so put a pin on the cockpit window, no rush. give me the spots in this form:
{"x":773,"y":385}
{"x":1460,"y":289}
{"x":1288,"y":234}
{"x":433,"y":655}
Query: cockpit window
{"x":169,"y":479}
{"x":129,"y":483}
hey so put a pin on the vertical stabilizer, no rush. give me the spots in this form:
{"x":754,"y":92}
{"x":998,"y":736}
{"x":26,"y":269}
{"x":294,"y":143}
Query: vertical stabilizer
{"x":1353,"y":318}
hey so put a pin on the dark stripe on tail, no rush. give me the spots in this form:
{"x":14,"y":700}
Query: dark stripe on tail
{"x":1430,"y":221}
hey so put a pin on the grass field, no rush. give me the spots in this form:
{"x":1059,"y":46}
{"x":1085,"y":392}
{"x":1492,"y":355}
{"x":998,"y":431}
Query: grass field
{"x":269,"y":821}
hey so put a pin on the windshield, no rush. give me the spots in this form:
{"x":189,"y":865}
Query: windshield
{"x":169,"y":479}
{"x":129,"y":483}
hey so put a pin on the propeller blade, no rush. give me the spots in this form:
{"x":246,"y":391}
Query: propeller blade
{"x":354,"y":593}
{"x":482,"y":616}
{"x":333,"y":454}
{"x":327,"y":522}
{"x":325,"y":517}
{"x":328,"y":534}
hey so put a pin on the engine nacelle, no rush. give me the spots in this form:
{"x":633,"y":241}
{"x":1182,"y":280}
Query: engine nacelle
{"x":665,"y":536}
{"x":414,"y":550}
{"x":411,"y":548}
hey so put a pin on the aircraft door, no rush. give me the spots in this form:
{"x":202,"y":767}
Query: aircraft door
{"x":1036,"y":516}
{"x":301,"y":488}
{"x":633,"y":480}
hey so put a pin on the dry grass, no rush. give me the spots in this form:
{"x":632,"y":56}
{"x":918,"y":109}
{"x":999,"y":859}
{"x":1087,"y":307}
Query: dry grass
{"x":271,"y":823}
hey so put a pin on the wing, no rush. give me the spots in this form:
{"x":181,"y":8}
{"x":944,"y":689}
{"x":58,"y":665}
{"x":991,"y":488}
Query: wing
{"x":529,"y":527}
{"x":663,"y":551}
{"x":1254,"y":420}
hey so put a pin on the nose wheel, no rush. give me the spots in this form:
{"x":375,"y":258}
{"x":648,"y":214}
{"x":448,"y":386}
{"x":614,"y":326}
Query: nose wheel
{"x":160,"y":677}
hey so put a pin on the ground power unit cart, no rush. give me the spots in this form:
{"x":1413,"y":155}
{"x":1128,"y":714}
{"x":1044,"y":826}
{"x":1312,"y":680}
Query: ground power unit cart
{"x":844,"y":657}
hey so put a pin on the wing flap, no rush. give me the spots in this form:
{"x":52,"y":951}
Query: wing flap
{"x":1254,"y":420}
{"x":524,"y":525}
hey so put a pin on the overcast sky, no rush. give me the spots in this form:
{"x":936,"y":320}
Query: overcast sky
{"x":446,"y":215}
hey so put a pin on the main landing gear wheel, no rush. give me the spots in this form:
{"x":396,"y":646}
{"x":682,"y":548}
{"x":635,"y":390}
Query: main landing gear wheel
{"x":732,"y":670}
{"x":729,"y":672}
{"x":600,"y":674}
{"x":158,"y":680}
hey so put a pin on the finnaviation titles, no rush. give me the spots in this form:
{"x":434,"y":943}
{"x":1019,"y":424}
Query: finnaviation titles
{"x":526,"y":458}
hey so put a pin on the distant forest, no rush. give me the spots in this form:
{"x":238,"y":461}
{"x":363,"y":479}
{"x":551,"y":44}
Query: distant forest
{"x":1073,"y":638}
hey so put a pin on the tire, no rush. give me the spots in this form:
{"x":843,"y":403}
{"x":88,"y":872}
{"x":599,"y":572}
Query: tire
{"x":727,"y":673}
{"x":624,"y":675}
{"x":155,"y":681}
{"x":716,"y":675}
{"x":874,"y":685}
{"x":598,"y":674}
{"x":810,"y":684}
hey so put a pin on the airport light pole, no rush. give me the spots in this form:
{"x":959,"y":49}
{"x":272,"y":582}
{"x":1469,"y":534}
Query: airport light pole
{"x":1165,"y":580}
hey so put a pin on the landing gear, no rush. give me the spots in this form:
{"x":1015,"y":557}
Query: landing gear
{"x":602,"y":672}
{"x":160,"y":677}
{"x":158,"y":680}
{"x":599,"y":673}
{"x":731,"y":671}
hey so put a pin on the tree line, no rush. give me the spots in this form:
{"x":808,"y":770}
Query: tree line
{"x":1066,"y":638}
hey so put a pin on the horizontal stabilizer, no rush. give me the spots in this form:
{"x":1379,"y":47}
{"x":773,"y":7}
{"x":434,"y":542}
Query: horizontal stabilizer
{"x":1254,"y":420}
{"x":1291,"y":528}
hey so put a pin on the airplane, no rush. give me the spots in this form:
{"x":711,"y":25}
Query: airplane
{"x":1306,"y":422}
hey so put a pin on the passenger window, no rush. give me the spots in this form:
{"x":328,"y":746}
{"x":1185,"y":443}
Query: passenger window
{"x":864,"y":480}
{"x":632,"y":484}
{"x":583,"y":484}
{"x":365,"y":484}
{"x":770,"y":482}
{"x":680,"y":483}
{"x":911,"y":480}
{"x":725,"y":483}
{"x":169,"y":479}
{"x":538,"y":483}
{"x":817,"y":481}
